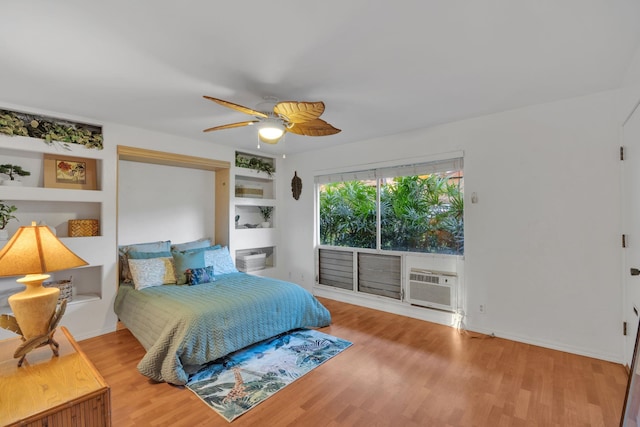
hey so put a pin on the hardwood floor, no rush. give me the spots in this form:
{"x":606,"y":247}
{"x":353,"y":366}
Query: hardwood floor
{"x":399,"y":372}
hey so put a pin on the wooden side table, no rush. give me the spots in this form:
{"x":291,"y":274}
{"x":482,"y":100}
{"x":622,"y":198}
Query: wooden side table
{"x":52,"y":391}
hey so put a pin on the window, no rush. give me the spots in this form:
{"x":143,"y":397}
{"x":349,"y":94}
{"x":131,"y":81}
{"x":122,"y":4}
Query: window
{"x":348,"y":214}
{"x":412,"y":208}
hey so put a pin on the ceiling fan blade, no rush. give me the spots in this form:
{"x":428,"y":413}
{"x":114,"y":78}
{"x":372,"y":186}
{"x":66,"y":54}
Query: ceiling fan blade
{"x":237,"y":107}
{"x":231,"y":125}
{"x":299,"y":112}
{"x":317,"y":127}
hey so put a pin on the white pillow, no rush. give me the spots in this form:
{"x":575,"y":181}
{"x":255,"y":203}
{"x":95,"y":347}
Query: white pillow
{"x":152,"y":272}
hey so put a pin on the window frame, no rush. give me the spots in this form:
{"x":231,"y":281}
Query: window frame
{"x":421,"y":165}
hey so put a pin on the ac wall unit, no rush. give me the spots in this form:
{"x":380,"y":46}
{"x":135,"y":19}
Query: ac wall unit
{"x":433,"y":289}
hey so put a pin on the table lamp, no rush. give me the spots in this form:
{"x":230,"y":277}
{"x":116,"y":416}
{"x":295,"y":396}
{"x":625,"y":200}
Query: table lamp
{"x":34,"y":251}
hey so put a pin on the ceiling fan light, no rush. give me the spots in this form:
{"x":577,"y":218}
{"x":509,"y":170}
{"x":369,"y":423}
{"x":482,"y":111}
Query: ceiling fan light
{"x":269,"y":140}
{"x":270,"y":131}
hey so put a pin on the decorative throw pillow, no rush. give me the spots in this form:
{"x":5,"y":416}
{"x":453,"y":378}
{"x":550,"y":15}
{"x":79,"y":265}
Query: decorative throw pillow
{"x":196,"y":244}
{"x":221,"y":261}
{"x":195,"y":276}
{"x":123,"y":269}
{"x":159,"y":246}
{"x":187,"y":261}
{"x":152,"y":272}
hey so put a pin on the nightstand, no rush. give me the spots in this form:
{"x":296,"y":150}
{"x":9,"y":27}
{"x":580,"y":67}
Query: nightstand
{"x":48,"y":390}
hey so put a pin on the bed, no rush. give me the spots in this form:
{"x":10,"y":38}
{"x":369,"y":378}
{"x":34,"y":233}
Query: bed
{"x":183,"y":327}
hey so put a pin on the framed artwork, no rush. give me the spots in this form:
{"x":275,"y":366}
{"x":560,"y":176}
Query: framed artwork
{"x":631,"y":409}
{"x":76,"y":173}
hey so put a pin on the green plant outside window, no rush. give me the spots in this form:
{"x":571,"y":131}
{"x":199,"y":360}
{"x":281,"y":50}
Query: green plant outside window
{"x":420,"y":213}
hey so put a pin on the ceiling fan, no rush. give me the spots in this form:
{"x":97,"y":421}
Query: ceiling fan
{"x":277,"y":118}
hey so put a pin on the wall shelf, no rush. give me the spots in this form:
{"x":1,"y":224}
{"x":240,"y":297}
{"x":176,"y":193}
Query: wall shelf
{"x":77,"y":299}
{"x":251,"y":190}
{"x":254,"y":175}
{"x":27,"y":144}
{"x":55,"y":207}
{"x":246,"y":201}
{"x":50,"y":194}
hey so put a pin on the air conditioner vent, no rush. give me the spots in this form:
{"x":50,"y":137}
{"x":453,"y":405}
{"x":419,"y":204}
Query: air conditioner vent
{"x":432,"y":289}
{"x":424,"y":277}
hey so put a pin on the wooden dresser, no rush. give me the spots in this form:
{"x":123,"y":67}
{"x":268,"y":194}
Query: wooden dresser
{"x":52,"y":391}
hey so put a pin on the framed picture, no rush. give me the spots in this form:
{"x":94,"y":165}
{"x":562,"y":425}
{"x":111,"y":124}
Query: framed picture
{"x":76,"y":173}
{"x":631,"y":409}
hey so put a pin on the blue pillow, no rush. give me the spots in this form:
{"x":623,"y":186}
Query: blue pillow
{"x":207,"y":253}
{"x":160,"y":246}
{"x":187,"y":261}
{"x":147,"y":255}
{"x":221,"y":261}
{"x":196,"y":244}
{"x":195,"y":276}
{"x":204,"y":248}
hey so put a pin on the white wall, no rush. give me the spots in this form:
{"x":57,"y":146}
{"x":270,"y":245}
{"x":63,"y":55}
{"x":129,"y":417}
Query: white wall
{"x":157,"y":202}
{"x":542,"y":243}
{"x":630,"y":87}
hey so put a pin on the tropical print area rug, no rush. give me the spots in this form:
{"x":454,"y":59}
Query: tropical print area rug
{"x":236,"y":383}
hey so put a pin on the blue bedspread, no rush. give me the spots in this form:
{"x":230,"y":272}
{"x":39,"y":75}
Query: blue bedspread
{"x":184,"y":327}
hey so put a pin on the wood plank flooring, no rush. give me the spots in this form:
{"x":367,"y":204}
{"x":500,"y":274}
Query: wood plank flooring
{"x":399,"y":372}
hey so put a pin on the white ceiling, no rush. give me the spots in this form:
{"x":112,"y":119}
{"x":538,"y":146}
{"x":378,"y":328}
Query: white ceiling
{"x":381,"y":67}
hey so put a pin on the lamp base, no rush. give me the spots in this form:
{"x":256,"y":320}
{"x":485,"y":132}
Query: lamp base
{"x":22,"y":351}
{"x":34,"y":306}
{"x":35,"y":314}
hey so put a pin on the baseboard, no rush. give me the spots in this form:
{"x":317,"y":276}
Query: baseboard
{"x":448,"y":319}
{"x":549,"y":344}
{"x":91,"y":334}
{"x":384,"y":304}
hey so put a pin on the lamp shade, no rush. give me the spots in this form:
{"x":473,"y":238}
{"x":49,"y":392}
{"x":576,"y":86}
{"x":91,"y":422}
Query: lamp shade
{"x":36,"y":250}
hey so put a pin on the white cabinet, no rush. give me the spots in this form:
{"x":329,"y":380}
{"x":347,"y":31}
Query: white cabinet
{"x":253,"y":239}
{"x":56,"y":206}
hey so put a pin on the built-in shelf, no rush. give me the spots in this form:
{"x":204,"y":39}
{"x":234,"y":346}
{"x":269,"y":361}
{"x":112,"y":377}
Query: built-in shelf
{"x":50,"y":194}
{"x":254,"y":175}
{"x":254,"y":238}
{"x":55,"y":207}
{"x":267,"y":260}
{"x":77,"y":299}
{"x":54,"y":214}
{"x":245,"y":201}
{"x":250,"y":217}
{"x":18,"y":145}
{"x":254,"y":189}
